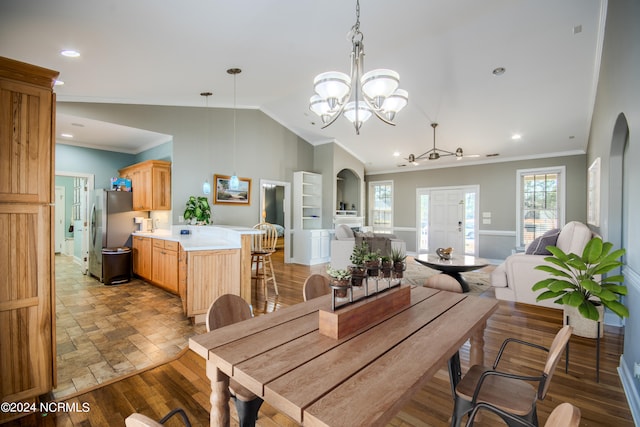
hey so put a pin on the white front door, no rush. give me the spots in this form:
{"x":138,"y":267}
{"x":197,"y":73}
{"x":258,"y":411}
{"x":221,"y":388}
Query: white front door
{"x":447,"y":220}
{"x":447,"y":217}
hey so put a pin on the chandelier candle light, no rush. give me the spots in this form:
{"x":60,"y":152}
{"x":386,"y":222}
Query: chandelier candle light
{"x":373,"y":92}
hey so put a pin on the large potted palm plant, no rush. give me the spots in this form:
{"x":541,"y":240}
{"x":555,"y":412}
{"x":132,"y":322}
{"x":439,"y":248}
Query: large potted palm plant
{"x":580,"y":284}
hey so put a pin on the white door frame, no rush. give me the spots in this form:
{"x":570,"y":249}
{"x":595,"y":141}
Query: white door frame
{"x":84,"y":204}
{"x":467,"y":189}
{"x":59,"y":236}
{"x":286,"y":207}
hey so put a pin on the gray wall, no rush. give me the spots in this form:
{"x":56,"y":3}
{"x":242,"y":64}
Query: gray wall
{"x":498,"y":189}
{"x":617,"y":109}
{"x":329,"y":159}
{"x":203,"y":146}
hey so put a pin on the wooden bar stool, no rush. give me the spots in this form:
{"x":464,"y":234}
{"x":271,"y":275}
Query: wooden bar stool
{"x":263,"y":245}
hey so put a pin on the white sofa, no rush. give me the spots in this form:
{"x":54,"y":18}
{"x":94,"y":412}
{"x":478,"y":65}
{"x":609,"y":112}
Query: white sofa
{"x":344,"y":240}
{"x":512,"y":280}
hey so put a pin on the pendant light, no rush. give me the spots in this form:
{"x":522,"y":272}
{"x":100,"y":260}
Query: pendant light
{"x":234,"y":183}
{"x":206,"y":187}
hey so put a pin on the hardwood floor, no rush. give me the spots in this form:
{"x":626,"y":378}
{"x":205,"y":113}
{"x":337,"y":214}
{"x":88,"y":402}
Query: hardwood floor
{"x":183,"y":382}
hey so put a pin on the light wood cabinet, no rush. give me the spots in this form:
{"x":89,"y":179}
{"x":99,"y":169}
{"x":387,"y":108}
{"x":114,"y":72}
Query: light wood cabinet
{"x":209,"y":275}
{"x":142,"y":250}
{"x":164,"y":265}
{"x":27,"y":309}
{"x":150,"y":184}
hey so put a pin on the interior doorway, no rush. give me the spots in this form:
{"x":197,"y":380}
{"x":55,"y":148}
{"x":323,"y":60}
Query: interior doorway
{"x":275,"y":197}
{"x":447,"y":217}
{"x":75,"y":225}
{"x":59,"y":220}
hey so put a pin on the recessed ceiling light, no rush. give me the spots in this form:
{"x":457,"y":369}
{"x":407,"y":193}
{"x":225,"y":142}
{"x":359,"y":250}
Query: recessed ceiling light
{"x":70,"y":53}
{"x":58,"y":82}
{"x":498,"y":71}
{"x":66,"y":135}
{"x":396,"y":154}
{"x":472,"y":155}
{"x":516,"y":136}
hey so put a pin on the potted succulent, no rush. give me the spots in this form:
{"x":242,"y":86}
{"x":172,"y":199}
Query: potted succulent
{"x":386,"y":265}
{"x":357,"y":258}
{"x":197,"y":210}
{"x":578,"y":283}
{"x":397,"y":257}
{"x":341,"y":278}
{"x":372,"y":263}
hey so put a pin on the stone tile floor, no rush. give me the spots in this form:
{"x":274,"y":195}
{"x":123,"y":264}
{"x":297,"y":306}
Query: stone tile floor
{"x":106,"y":332}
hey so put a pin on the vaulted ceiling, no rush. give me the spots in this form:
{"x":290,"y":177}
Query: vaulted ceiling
{"x":167,"y":52}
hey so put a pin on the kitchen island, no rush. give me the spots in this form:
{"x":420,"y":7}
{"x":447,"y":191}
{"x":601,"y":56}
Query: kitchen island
{"x":199,"y":266}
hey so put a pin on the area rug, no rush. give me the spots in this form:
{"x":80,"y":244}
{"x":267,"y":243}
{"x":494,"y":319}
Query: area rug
{"x":478,"y":280}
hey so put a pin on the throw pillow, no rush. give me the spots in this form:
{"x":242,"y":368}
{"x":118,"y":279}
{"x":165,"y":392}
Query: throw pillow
{"x":539,"y":245}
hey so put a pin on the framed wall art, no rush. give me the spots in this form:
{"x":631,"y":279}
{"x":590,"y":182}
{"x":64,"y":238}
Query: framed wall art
{"x":224,"y":195}
{"x":593,"y":193}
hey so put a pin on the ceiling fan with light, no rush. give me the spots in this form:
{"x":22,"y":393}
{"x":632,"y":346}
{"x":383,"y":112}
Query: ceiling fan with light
{"x":434,"y":153}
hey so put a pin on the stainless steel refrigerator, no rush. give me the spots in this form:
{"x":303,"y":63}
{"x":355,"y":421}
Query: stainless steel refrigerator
{"x":110,"y":225}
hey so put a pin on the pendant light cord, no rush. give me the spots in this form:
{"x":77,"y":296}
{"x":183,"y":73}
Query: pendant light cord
{"x":234,"y":123}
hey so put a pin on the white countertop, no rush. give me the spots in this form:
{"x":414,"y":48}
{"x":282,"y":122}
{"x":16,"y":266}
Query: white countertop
{"x":202,"y":238}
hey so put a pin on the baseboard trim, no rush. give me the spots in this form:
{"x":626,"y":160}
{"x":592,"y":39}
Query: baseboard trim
{"x":628,"y":384}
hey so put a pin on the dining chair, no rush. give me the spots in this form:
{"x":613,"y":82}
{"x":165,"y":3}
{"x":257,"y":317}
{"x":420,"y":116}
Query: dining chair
{"x":262,"y":247}
{"x":140,"y":420}
{"x":226,"y":310}
{"x":315,"y":286}
{"x":510,"y":392}
{"x":564,"y":415}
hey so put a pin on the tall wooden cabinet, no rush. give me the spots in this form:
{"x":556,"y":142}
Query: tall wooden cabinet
{"x":150,"y":184}
{"x":27,"y":340}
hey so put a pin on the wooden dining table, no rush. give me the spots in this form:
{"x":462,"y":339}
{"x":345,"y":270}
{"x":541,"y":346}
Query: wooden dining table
{"x":364,"y":378}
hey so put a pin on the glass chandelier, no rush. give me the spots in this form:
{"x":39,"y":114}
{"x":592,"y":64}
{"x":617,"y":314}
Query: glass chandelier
{"x":375,"y":92}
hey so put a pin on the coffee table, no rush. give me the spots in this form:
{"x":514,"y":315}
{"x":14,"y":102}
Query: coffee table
{"x":454,"y":266}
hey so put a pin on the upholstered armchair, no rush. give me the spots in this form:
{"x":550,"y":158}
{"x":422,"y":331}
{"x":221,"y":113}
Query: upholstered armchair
{"x":344,"y":240}
{"x":512,"y":280}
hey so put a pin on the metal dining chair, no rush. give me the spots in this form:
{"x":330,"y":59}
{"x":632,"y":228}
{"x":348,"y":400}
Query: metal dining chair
{"x":564,"y":415}
{"x":140,"y":420}
{"x":509,"y":392}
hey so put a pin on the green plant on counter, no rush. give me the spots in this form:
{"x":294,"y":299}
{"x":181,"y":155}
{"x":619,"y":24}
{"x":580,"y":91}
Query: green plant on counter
{"x":198,"y":209}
